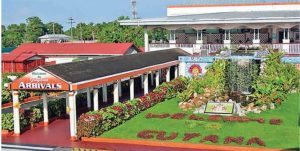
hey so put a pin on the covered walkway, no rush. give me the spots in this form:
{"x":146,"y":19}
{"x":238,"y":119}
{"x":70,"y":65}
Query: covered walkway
{"x":121,"y":74}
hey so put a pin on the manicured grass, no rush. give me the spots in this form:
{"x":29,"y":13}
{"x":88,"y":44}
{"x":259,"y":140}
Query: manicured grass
{"x":285,"y":136}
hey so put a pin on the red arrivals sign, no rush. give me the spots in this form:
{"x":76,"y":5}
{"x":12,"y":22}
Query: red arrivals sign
{"x":39,"y":80}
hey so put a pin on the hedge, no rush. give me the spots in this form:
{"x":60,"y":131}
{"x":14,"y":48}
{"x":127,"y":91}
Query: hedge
{"x":56,"y":108}
{"x":95,"y":123}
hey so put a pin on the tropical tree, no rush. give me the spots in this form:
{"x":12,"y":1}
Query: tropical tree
{"x":53,"y":26}
{"x":35,"y":28}
{"x":13,"y":35}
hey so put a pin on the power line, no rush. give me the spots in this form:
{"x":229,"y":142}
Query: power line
{"x":71,"y":22}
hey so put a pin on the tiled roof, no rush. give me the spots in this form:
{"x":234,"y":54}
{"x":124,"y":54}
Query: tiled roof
{"x":17,"y":57}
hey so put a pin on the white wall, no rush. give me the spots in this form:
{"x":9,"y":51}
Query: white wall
{"x":190,"y":10}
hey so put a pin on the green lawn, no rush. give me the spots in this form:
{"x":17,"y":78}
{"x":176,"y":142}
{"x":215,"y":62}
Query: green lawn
{"x":285,"y":136}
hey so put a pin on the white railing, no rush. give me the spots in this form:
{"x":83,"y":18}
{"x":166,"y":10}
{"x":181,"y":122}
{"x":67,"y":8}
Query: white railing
{"x":213,"y":48}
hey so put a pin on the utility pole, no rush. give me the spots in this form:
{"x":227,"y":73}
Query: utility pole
{"x":80,"y":32}
{"x":71,"y":22}
{"x":53,"y":28}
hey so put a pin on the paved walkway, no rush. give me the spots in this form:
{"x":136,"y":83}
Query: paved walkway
{"x":57,"y":134}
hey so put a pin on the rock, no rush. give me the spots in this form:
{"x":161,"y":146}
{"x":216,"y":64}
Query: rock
{"x":256,"y":111}
{"x":272,"y":106}
{"x":195,"y":94}
{"x":263,"y":108}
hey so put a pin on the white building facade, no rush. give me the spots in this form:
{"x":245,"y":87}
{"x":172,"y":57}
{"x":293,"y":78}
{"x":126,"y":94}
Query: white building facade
{"x":212,"y":27}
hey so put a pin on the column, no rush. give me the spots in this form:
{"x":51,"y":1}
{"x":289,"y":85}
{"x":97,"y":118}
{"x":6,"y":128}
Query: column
{"x":274,"y":35}
{"x":286,"y":40}
{"x":199,"y":42}
{"x":227,"y":40}
{"x":16,"y":112}
{"x":146,"y":40}
{"x":45,"y":108}
{"x":104,"y":92}
{"x":172,"y":40}
{"x":95,"y":99}
{"x":120,"y":88}
{"x":256,"y":40}
{"x":131,"y":85}
{"x":88,"y":97}
{"x":176,"y":72}
{"x":168,"y":74}
{"x":145,"y":83}
{"x":72,"y":106}
{"x":116,"y":93}
{"x":157,"y":79}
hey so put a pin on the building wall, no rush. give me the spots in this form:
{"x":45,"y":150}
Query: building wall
{"x":190,"y":10}
{"x":25,"y":66}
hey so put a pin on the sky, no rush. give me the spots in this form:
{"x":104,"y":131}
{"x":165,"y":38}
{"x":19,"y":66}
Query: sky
{"x":97,"y":11}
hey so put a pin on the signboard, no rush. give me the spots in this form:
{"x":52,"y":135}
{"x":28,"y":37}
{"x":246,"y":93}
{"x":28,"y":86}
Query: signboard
{"x":39,"y":80}
{"x":219,"y":108}
{"x":196,"y":59}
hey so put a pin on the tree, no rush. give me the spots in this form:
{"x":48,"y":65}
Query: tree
{"x":58,"y":28}
{"x":35,"y":28}
{"x":13,"y":35}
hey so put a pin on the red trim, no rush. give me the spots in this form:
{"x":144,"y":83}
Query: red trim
{"x":27,"y":100}
{"x":121,"y":76}
{"x":173,"y":144}
{"x":225,"y":5}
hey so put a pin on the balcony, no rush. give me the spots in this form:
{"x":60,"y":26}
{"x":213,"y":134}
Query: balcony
{"x":210,"y":49}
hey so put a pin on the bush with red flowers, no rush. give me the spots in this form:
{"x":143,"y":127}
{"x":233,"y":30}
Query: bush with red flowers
{"x":275,"y":121}
{"x":151,"y":115}
{"x":189,"y":136}
{"x":178,"y":116}
{"x":210,"y":138}
{"x":256,"y":140}
{"x":214,"y":117}
{"x":118,"y":113}
{"x":238,"y":140}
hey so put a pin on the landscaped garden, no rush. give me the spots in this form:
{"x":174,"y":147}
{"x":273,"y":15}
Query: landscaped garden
{"x":251,"y":103}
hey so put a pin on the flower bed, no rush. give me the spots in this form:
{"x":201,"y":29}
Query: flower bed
{"x":96,"y":122}
{"x":32,"y":116}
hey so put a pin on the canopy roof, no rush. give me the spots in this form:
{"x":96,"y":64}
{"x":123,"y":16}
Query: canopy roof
{"x":220,"y":18}
{"x":84,"y":74}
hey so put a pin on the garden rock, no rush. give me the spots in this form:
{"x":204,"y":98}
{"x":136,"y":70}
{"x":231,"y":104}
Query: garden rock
{"x":200,"y":110}
{"x":256,"y":110}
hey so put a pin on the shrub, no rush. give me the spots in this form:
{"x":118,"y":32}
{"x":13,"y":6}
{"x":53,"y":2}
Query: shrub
{"x":162,"y":136}
{"x":151,"y":115}
{"x":275,"y":121}
{"x":210,"y":138}
{"x":178,"y":116}
{"x":7,"y":122}
{"x":34,"y":115}
{"x":238,"y":140}
{"x":256,"y":140}
{"x":189,"y":136}
{"x":214,"y":117}
{"x":195,"y":117}
{"x":117,"y":114}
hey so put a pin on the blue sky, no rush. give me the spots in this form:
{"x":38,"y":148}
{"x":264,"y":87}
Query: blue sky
{"x":16,"y":11}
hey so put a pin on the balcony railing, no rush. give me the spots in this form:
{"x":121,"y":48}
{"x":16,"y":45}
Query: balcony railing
{"x":291,"y":49}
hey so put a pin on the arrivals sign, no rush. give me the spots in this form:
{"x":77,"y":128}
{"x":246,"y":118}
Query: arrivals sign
{"x":39,"y":80}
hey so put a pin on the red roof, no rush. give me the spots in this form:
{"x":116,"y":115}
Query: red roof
{"x":75,"y":48}
{"x":17,"y":57}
